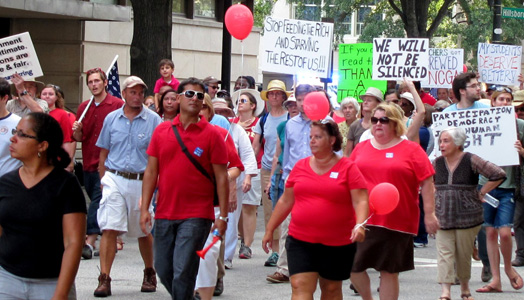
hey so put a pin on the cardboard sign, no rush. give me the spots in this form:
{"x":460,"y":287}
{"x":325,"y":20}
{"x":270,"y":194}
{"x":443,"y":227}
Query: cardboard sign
{"x":396,"y":59}
{"x":444,"y":66}
{"x":499,"y":64}
{"x":297,"y":47}
{"x":491,"y":132}
{"x":17,"y":55}
{"x":355,"y":62}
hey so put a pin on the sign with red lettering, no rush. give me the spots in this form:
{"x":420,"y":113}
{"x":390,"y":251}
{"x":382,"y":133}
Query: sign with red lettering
{"x":396,"y":59}
{"x":444,"y":65}
{"x":499,"y":64}
{"x":18,"y":55}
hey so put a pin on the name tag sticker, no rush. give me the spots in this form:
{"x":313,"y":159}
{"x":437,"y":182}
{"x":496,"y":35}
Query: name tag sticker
{"x":333,"y":175}
{"x":198,"y":151}
{"x":389,"y":155}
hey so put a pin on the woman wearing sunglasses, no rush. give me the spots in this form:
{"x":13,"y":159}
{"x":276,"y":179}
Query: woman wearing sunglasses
{"x":387,"y":157}
{"x":499,"y":221}
{"x":42,"y":207}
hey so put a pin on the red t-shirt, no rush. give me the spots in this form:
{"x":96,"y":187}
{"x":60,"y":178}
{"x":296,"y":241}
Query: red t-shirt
{"x":62,"y":118}
{"x":323,"y":210}
{"x":427,"y":98}
{"x":404,"y":165}
{"x":161,"y":82}
{"x":184,"y":192}
{"x":232,"y":153}
{"x":251,"y":135}
{"x":92,"y":125}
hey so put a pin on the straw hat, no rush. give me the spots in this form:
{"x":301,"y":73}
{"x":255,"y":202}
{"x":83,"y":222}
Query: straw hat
{"x":518,"y":96}
{"x":260,"y":103}
{"x":374,"y":92}
{"x":39,"y":86}
{"x":275,"y":85}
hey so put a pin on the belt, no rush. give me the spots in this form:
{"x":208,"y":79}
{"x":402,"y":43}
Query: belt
{"x":127,"y":175}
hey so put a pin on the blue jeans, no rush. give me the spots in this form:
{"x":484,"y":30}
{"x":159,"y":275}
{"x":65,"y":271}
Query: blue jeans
{"x":176,"y":261}
{"x":502,"y":216}
{"x":422,"y":236}
{"x":92,"y":186}
{"x":276,"y":190}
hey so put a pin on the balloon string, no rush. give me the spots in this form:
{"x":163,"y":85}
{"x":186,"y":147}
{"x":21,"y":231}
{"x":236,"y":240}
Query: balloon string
{"x":363,"y":223}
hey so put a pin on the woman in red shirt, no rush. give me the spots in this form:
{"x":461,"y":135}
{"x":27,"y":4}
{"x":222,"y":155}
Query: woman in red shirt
{"x":327,"y":197}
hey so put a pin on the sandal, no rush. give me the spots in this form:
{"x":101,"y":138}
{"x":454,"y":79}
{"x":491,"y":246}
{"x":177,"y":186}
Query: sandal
{"x":444,"y":298}
{"x":120,"y":245}
{"x":466,"y":297}
{"x":488,"y":289}
{"x":515,"y":282}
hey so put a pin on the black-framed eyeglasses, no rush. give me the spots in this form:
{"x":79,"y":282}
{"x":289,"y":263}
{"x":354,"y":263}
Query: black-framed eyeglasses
{"x":383,"y":120}
{"x":215,"y":87}
{"x":19,"y":133}
{"x":190,"y":94}
{"x":504,"y":89}
{"x":439,"y":109}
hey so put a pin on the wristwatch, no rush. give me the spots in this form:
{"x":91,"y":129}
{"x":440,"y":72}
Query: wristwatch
{"x":225,"y":219}
{"x":24,"y":93}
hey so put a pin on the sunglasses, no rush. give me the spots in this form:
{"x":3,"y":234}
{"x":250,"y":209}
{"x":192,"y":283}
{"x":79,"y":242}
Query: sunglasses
{"x":190,"y":94}
{"x":19,"y":133}
{"x":504,"y":89}
{"x":383,"y":120}
{"x":223,"y":94}
{"x":243,"y":101}
{"x":439,"y":109}
{"x":215,"y":87}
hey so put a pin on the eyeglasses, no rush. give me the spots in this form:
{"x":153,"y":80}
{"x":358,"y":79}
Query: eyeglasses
{"x":475,"y":86}
{"x":439,"y":108}
{"x":215,"y":87}
{"x":504,"y":89}
{"x":242,"y":101}
{"x":19,"y":133}
{"x":223,"y":94}
{"x":190,"y":94}
{"x":383,"y":120}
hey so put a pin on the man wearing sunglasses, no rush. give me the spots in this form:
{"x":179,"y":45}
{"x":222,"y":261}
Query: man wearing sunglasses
{"x":8,"y":122}
{"x":87,"y":131}
{"x":212,"y":86}
{"x":181,"y":154}
{"x":123,"y":142}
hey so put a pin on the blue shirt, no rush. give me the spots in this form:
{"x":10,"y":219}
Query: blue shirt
{"x":221,"y":121}
{"x":127,"y":141}
{"x":296,"y":145}
{"x":476,"y":104}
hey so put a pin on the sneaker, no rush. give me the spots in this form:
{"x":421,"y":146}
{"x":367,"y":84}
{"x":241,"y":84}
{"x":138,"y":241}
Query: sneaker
{"x":272,"y":260}
{"x":87,"y":251}
{"x":486,"y":274}
{"x":420,"y":245}
{"x":245,"y":252}
{"x":149,"y":282}
{"x":277,"y":277}
{"x":104,"y":286}
{"x":517,"y":262}
{"x":228,"y":264}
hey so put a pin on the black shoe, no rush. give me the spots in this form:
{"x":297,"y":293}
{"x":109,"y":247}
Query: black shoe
{"x":518,"y":262}
{"x":87,"y":251}
{"x":486,"y":274}
{"x":219,"y":288}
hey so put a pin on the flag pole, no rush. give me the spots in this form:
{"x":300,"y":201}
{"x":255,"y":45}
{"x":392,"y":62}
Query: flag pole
{"x":93,"y":97}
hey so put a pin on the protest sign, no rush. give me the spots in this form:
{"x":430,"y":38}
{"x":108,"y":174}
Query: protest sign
{"x":354,"y":67}
{"x":444,"y":65}
{"x":499,"y":64}
{"x":17,"y":55}
{"x":491,"y":132}
{"x":394,"y":59}
{"x":297,"y":47}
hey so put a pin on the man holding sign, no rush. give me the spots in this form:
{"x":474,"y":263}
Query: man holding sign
{"x":26,"y":101}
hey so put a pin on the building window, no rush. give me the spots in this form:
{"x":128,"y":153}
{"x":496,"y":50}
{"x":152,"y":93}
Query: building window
{"x":179,"y":6}
{"x":205,"y":8}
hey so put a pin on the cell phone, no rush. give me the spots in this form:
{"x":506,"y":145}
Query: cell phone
{"x":491,"y":200}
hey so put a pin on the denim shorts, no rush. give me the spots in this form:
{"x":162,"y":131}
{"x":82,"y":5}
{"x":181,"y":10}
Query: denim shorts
{"x":502,"y":216}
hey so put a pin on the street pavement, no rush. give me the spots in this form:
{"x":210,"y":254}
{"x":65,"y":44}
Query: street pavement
{"x":246,"y":280}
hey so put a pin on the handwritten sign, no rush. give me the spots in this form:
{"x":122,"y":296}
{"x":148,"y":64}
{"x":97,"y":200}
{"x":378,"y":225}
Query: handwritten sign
{"x":355,"y":63}
{"x":491,"y":132}
{"x":394,"y":59}
{"x":17,"y":55}
{"x":499,"y":64}
{"x":444,"y":66}
{"x":297,"y":46}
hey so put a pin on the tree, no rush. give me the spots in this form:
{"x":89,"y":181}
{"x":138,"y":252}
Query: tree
{"x":262,"y":9}
{"x":152,"y":25}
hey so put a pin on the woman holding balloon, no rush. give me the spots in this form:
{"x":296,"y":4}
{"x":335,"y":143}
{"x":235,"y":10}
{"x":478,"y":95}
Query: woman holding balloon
{"x":386,"y":157}
{"x":459,"y":207}
{"x":327,"y":196}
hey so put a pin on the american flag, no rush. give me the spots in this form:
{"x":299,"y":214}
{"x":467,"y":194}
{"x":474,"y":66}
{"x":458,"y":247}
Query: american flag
{"x":113,"y":81}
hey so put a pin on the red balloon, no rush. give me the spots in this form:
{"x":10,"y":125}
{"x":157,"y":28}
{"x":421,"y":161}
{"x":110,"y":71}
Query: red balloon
{"x":464,"y":68}
{"x":239,"y":21}
{"x":383,"y":198}
{"x":316,"y":106}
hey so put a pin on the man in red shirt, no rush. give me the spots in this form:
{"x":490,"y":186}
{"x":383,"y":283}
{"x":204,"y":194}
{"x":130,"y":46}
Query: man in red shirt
{"x":184,"y":211}
{"x":87,"y":131}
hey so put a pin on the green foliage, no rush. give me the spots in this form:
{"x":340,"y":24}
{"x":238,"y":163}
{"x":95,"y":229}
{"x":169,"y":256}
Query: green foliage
{"x":263,"y":8}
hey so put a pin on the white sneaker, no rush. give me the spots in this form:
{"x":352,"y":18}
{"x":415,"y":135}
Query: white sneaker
{"x":228,"y":264}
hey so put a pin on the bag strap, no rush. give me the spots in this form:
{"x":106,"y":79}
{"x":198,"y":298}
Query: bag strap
{"x":189,"y":156}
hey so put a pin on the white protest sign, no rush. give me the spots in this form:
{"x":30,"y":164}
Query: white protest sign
{"x":297,"y":47}
{"x":444,"y":65}
{"x":394,"y":59}
{"x":499,"y":64}
{"x":17,"y":55}
{"x":491,"y":132}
